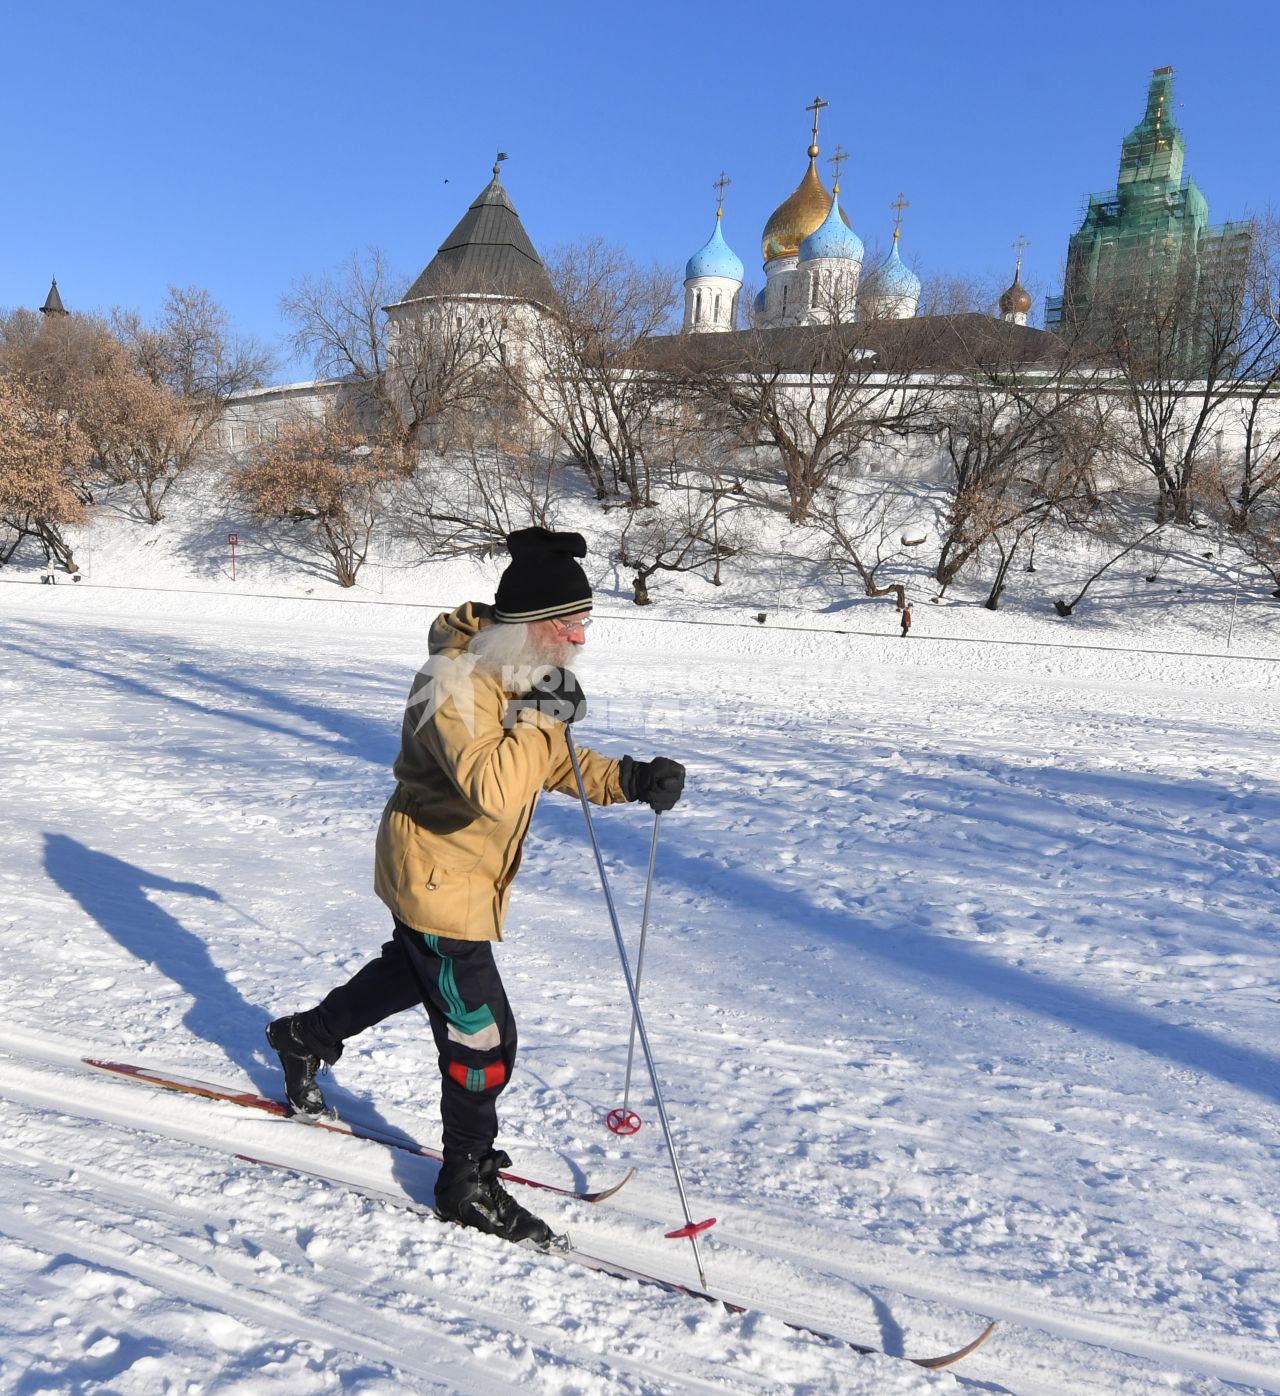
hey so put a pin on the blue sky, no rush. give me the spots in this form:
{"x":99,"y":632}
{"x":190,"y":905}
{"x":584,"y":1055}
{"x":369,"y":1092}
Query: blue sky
{"x":236,"y":147}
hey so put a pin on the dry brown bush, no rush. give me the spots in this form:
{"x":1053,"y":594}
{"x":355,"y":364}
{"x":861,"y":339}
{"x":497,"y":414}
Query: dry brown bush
{"x":42,"y":457}
{"x":329,"y":476}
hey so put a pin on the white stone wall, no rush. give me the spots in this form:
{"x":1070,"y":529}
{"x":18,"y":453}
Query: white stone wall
{"x":260,"y":413}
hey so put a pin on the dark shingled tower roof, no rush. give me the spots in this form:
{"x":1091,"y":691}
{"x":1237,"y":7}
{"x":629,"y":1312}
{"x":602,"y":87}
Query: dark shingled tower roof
{"x":488,"y":254}
{"x":53,"y":301}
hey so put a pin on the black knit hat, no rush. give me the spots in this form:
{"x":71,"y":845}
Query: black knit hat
{"x":542,"y":579}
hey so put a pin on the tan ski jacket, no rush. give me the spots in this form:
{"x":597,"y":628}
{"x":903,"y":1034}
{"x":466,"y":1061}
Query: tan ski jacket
{"x":451,"y":835}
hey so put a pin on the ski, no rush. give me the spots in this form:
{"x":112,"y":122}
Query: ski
{"x":251,"y":1101}
{"x":567,"y":1251}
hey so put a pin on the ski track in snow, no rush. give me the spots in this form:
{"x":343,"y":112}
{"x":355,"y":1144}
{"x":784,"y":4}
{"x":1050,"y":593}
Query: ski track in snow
{"x":962,"y":980}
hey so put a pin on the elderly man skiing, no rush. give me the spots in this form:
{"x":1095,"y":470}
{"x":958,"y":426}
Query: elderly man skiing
{"x":483,"y":736}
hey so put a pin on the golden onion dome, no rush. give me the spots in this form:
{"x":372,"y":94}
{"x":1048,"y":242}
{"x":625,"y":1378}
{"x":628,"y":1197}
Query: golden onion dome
{"x":803,"y":213}
{"x":1016,"y":300}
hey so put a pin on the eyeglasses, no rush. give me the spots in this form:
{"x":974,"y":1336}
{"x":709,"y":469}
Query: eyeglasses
{"x":567,"y":627}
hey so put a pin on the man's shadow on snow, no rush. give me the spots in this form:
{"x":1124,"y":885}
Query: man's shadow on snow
{"x":114,"y":894}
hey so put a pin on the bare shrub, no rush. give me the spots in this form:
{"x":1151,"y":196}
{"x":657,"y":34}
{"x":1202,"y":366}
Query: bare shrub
{"x":329,"y":476}
{"x":499,"y":474}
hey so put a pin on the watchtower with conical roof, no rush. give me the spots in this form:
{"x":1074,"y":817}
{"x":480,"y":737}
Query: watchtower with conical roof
{"x":53,"y":301}
{"x":484,"y":285}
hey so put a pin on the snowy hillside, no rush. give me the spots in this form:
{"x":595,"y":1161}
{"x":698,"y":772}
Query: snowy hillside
{"x":962,"y":977}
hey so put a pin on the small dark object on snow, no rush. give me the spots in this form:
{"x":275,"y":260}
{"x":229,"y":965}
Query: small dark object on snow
{"x":761,"y":617}
{"x":300,"y":1068}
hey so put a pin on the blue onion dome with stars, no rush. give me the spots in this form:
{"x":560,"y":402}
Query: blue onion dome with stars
{"x":832,"y":237}
{"x":894,"y":278}
{"x":715,"y":258}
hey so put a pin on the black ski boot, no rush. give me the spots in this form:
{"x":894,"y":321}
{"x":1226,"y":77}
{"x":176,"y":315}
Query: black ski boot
{"x":474,"y":1196}
{"x":300,"y":1068}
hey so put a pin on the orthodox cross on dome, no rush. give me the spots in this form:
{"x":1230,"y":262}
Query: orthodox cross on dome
{"x":898,"y":205}
{"x":1019,"y":248}
{"x":501,"y":156}
{"x":720,"y":186}
{"x":815,"y":107}
{"x":835,"y":160}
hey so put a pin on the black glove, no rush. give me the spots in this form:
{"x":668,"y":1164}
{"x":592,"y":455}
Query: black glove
{"x":659,"y":783}
{"x":555,"y":693}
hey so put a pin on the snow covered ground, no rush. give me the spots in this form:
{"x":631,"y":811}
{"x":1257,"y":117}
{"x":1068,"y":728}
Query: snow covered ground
{"x":962,"y":977}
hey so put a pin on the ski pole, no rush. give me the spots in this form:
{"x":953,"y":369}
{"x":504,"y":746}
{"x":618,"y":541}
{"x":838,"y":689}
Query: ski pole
{"x":625,"y":1121}
{"x":691,"y":1227}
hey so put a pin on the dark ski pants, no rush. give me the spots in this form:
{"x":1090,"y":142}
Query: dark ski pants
{"x":457,"y":982}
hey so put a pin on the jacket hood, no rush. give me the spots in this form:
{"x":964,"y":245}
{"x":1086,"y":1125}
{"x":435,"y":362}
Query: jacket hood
{"x":452,"y":631}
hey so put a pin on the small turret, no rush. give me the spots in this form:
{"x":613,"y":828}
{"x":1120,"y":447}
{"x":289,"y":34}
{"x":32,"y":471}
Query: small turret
{"x":53,"y":301}
{"x":713,"y":279}
{"x":830,"y":262}
{"x":892,"y":291}
{"x":1015,"y":301}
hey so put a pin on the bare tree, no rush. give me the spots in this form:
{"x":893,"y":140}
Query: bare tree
{"x":822,"y":398}
{"x":57,"y":356}
{"x":498,"y":474}
{"x":144,"y":435}
{"x":1026,"y":441}
{"x":42,"y":459}
{"x":337,"y":318}
{"x":587,"y":374}
{"x":146,"y":396}
{"x":192,"y":350}
{"x":1120,"y":543}
{"x":1244,"y":476}
{"x":419,"y":368}
{"x":447,"y":363}
{"x":1184,"y":346}
{"x":19,"y":330}
{"x":956,"y":295}
{"x":861,"y":527}
{"x":678,"y":534}
{"x":329,"y":476}
{"x":1261,"y":544}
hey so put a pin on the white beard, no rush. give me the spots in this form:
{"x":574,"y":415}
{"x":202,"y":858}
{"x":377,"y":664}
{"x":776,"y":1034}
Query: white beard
{"x":515,"y":655}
